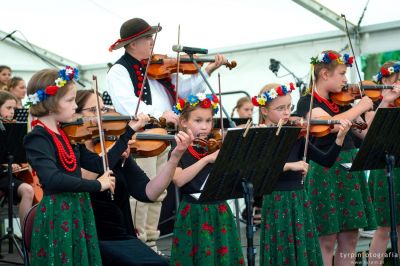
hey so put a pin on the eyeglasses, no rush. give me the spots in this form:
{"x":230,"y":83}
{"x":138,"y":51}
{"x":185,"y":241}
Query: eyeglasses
{"x":93,"y":109}
{"x":283,"y":108}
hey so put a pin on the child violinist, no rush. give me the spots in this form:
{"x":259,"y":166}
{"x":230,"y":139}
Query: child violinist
{"x":288,"y":233}
{"x":204,"y":234}
{"x":64,"y":231}
{"x":389,"y":74}
{"x":119,"y":244}
{"x":348,"y":206}
{"x":22,"y":191}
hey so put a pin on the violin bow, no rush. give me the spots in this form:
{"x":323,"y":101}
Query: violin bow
{"x":178,"y":59}
{"x":106,"y":165}
{"x":220,"y":107}
{"x":312,"y":88}
{"x":145,"y":73}
{"x":354,"y":56}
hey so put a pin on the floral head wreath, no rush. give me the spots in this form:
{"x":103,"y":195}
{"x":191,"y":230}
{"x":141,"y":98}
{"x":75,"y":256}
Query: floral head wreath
{"x":386,"y":72}
{"x":64,"y":75}
{"x":200,"y":99}
{"x":268,"y":96}
{"x":329,"y":57}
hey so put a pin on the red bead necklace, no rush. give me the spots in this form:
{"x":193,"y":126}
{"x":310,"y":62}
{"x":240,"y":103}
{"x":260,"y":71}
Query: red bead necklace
{"x":67,"y":159}
{"x":195,"y":154}
{"x":331,"y":105}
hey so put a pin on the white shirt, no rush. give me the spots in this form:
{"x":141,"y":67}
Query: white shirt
{"x":123,"y":97}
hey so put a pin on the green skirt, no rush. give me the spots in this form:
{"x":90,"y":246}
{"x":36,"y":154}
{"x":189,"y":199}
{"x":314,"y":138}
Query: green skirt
{"x":378,"y":187}
{"x":340,"y":199}
{"x":288,"y":233}
{"x":64,"y":231}
{"x":205,"y":234}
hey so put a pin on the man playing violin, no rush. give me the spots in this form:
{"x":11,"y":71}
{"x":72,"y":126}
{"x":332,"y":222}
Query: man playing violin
{"x":125,"y":79}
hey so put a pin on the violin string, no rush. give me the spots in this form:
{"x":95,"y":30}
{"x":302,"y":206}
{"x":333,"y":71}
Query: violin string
{"x":354,"y":55}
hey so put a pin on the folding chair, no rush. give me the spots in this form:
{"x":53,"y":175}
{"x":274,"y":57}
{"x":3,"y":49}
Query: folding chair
{"x":27,"y":233}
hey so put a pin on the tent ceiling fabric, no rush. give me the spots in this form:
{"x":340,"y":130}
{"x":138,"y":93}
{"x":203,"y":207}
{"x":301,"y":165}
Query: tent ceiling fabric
{"x":83,"y":30}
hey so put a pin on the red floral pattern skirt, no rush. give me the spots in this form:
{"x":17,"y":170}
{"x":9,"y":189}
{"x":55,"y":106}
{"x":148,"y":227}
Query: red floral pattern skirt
{"x":378,"y":187}
{"x":340,"y":199}
{"x":288,"y":233}
{"x":205,"y":234}
{"x":64,"y":231}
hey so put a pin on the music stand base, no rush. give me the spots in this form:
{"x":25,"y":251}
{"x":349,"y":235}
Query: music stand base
{"x":248,"y":199}
{"x":390,"y":163}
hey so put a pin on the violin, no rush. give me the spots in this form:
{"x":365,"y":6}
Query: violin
{"x":350,"y":92}
{"x":161,"y":66}
{"x":321,"y":127}
{"x":30,"y":178}
{"x":211,"y":144}
{"x":114,"y":124}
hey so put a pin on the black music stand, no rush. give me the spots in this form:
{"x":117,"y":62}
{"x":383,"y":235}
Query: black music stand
{"x":12,"y":151}
{"x":248,"y":164}
{"x":21,"y":115}
{"x":225,"y":122}
{"x":381,"y":150}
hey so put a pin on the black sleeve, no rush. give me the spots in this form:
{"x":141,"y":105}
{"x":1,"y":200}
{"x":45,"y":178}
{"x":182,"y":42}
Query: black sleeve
{"x":325,"y":159}
{"x":94,"y":163}
{"x":136,"y":180}
{"x":41,"y":155}
{"x":303,"y":106}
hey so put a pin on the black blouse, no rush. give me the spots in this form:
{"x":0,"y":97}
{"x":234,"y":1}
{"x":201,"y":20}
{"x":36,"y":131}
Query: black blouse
{"x":291,"y":180}
{"x":113,"y":217}
{"x":324,"y":143}
{"x":195,"y":184}
{"x":41,"y":154}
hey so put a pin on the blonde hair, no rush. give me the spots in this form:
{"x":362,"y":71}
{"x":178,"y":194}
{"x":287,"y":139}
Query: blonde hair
{"x":41,"y":80}
{"x":242,"y":101}
{"x":268,"y":87}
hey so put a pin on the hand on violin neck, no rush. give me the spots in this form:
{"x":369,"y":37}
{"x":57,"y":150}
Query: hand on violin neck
{"x":183,"y":140}
{"x":389,"y":96}
{"x":344,"y":127}
{"x":212,"y":157}
{"x":219,"y":61}
{"x":140,"y":121}
{"x":171,"y":117}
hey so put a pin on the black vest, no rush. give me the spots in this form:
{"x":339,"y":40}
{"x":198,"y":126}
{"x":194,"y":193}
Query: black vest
{"x":136,"y":70}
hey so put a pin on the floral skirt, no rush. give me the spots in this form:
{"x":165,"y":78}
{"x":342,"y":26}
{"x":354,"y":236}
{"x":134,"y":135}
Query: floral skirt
{"x":340,"y":199}
{"x":288,"y":233}
{"x":64,"y":231}
{"x":205,"y":234}
{"x":378,"y":187}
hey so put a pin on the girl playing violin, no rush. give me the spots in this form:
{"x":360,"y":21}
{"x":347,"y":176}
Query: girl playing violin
{"x":64,"y":230}
{"x":341,"y":200}
{"x":22,"y":191}
{"x":389,"y":74}
{"x":119,"y":244}
{"x":288,"y":232}
{"x":204,"y":234}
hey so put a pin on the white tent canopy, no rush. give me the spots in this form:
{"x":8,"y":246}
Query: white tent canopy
{"x":250,"y":32}
{"x":83,"y":30}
